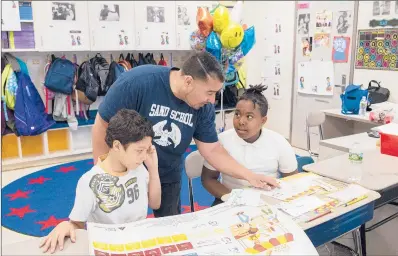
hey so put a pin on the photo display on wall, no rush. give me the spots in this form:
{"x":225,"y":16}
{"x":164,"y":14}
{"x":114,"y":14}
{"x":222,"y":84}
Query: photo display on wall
{"x":377,"y":49}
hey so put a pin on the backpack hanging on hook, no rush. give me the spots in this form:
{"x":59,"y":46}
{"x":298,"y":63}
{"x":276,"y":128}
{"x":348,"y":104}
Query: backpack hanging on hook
{"x":162,"y":61}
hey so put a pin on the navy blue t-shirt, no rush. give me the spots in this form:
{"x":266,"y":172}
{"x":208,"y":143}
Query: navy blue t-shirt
{"x":146,"y":89}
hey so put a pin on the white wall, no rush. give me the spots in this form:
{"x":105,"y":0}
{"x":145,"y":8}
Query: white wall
{"x":388,"y":79}
{"x":259,"y":14}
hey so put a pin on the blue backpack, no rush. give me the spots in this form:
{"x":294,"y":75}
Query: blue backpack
{"x":351,"y":98}
{"x":60,"y":76}
{"x":30,"y":116}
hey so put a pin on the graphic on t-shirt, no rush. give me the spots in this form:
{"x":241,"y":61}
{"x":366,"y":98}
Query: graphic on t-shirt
{"x":110,"y":196}
{"x":164,"y":137}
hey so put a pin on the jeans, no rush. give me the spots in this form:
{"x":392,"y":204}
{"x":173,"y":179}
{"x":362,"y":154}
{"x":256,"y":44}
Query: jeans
{"x":171,"y":200}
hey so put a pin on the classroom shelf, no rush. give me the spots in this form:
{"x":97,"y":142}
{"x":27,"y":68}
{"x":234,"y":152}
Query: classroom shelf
{"x":19,"y":50}
{"x":53,"y":146}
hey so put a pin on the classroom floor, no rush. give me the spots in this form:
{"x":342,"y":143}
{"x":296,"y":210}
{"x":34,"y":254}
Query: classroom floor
{"x":379,"y":241}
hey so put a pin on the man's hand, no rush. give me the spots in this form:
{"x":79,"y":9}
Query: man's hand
{"x":262,"y":181}
{"x":151,"y":161}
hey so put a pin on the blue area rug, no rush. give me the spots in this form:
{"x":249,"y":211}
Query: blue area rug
{"x":34,"y":204}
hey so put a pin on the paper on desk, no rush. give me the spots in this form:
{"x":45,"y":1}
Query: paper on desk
{"x":292,"y":188}
{"x":301,"y":205}
{"x":349,"y":193}
{"x":248,"y":197}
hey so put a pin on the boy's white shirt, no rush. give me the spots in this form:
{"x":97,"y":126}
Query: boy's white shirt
{"x":268,"y":154}
{"x":107,"y":199}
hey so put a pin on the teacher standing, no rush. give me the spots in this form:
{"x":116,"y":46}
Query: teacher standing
{"x":180,"y":105}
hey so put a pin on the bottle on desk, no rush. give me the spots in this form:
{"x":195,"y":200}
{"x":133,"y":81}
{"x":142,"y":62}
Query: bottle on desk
{"x":362,"y":106}
{"x":356,"y":158}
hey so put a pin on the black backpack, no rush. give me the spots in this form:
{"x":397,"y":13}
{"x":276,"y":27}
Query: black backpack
{"x":87,"y":86}
{"x":100,"y":67}
{"x":377,"y":94}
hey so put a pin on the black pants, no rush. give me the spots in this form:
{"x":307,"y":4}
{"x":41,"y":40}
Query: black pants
{"x":171,"y":200}
{"x":217,"y":201}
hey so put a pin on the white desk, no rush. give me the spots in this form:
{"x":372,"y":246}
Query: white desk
{"x":81,"y":246}
{"x":338,"y":146}
{"x":379,"y":173}
{"x":339,"y":125}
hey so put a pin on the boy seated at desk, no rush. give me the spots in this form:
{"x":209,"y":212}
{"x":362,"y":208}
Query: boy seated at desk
{"x":119,"y":188}
{"x":257,"y":148}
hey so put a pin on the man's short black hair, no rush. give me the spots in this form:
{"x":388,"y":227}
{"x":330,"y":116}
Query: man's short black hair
{"x":200,"y":65}
{"x":127,"y":126}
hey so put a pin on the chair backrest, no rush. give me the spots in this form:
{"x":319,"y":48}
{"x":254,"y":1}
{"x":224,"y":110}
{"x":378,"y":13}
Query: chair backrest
{"x":194,"y":164}
{"x":315,"y":119}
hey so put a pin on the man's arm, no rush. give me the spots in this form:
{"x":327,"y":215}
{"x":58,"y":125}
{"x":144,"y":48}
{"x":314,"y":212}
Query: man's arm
{"x":219,"y":158}
{"x":211,"y":183}
{"x":98,"y":138}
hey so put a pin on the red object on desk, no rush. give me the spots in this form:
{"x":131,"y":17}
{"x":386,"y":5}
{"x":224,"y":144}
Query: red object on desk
{"x":389,"y":144}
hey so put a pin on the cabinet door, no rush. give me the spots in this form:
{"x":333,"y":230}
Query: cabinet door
{"x":186,"y":20}
{"x":155,"y":25}
{"x":61,"y":25}
{"x":111,"y":25}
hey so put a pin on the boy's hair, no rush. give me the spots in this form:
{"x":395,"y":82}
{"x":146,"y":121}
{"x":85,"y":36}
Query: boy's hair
{"x":255,"y":95}
{"x":127,"y":126}
{"x":200,"y":65}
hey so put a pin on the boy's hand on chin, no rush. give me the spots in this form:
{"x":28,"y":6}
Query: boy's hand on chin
{"x":151,"y":161}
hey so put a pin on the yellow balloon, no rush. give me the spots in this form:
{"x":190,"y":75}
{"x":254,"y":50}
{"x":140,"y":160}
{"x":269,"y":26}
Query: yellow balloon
{"x":232,"y":36}
{"x":220,"y":19}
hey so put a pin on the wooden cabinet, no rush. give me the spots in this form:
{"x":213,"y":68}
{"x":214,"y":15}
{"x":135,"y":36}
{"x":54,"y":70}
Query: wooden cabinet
{"x":61,"y":25}
{"x":111,"y":25}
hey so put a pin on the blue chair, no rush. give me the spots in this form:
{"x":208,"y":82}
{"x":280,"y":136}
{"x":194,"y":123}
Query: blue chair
{"x":303,"y":160}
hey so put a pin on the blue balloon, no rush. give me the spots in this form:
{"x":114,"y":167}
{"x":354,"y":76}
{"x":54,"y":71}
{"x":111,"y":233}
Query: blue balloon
{"x":213,"y":45}
{"x":249,"y":39}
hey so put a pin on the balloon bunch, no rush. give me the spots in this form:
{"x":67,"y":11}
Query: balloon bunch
{"x":220,"y":33}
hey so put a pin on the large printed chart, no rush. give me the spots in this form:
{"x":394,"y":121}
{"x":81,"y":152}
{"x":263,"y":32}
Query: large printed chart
{"x":220,"y":230}
{"x":377,"y":49}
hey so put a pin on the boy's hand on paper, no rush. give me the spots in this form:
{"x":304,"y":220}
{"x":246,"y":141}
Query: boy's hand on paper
{"x":57,"y":236}
{"x":151,"y":160}
{"x":262,"y":181}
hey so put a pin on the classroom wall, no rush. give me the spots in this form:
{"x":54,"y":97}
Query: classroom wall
{"x":261,"y":61}
{"x":388,"y":79}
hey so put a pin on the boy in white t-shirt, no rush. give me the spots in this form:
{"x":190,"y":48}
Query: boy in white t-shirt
{"x":119,"y":188}
{"x":256,"y":148}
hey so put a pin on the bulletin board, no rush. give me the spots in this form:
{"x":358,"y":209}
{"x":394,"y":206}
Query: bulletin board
{"x":377,"y":49}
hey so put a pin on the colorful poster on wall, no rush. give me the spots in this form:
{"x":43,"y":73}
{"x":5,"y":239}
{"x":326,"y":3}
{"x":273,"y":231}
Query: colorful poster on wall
{"x":306,"y":46}
{"x":323,"y":21}
{"x":341,"y":46}
{"x":321,"y":40}
{"x":316,"y":77}
{"x":10,"y":20}
{"x":377,"y":49}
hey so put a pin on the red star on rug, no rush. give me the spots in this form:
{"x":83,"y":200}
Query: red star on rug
{"x":50,"y":222}
{"x":198,"y":207}
{"x":39,"y":180}
{"x":20,"y":212}
{"x":91,"y":163}
{"x":66,"y":169}
{"x":186,"y":208}
{"x":19,"y":194}
{"x":150,"y":216}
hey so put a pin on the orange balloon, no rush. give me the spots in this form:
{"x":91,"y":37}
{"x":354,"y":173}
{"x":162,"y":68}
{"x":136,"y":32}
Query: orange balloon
{"x":204,"y":21}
